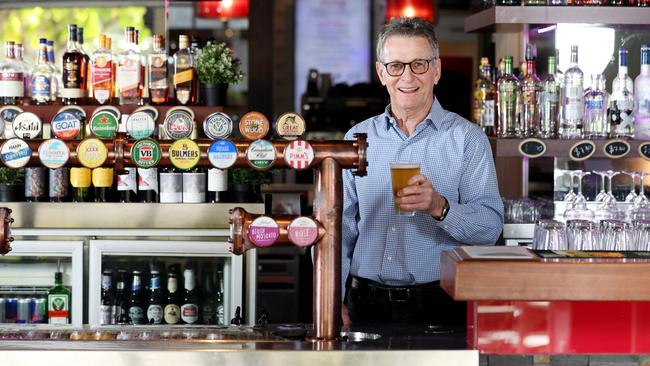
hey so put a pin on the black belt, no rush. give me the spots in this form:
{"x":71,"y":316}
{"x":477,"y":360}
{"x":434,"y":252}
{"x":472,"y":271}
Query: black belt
{"x":392,"y":293}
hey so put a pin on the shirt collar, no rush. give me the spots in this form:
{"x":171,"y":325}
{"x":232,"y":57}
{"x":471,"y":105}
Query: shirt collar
{"x":434,"y":118}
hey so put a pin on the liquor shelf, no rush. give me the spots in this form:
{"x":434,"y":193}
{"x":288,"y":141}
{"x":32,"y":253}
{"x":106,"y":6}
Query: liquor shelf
{"x":512,"y":18}
{"x":561,"y":148}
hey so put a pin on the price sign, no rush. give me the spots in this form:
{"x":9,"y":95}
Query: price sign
{"x":532,"y":148}
{"x":644,"y":150}
{"x":583,"y":150}
{"x":616,"y":148}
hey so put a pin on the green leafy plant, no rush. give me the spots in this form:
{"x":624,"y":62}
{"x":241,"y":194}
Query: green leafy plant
{"x":250,"y":176}
{"x":11,"y":176}
{"x":215,"y":65}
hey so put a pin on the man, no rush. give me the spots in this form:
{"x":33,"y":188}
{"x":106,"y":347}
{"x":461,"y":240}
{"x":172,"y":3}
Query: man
{"x":393,"y":261}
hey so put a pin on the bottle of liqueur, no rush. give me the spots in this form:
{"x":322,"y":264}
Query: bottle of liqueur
{"x":595,"y":115}
{"x":12,"y":87}
{"x":129,"y":81}
{"x":74,"y":71}
{"x":127,"y":185}
{"x":158,"y":84}
{"x":190,"y":303}
{"x":19,"y":50}
{"x":57,"y":81}
{"x":484,"y":98}
{"x":42,"y":76}
{"x":102,"y":73}
{"x":508,"y":89}
{"x":550,"y":102}
{"x":107,"y":306}
{"x":58,"y":302}
{"x":184,"y":73}
{"x":642,"y":97}
{"x":172,"y":311}
{"x":573,"y":103}
{"x":121,"y":302}
{"x":148,"y":184}
{"x":530,"y":88}
{"x":136,"y":307}
{"x":155,"y":309}
{"x":621,"y":102}
{"x":102,"y":181}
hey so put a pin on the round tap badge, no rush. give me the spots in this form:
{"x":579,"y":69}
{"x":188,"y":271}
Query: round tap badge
{"x":66,"y":126}
{"x":27,"y":125}
{"x":263,"y":231}
{"x":53,"y":153}
{"x":103,"y":125}
{"x":290,"y":126}
{"x":303,"y":231}
{"x":254,"y":125}
{"x":146,"y":153}
{"x":299,"y":154}
{"x":217,"y":126}
{"x":181,"y":108}
{"x":110,"y":109}
{"x":184,"y":154}
{"x":15,"y":153}
{"x":260,"y":154}
{"x":7,"y":116}
{"x":152,"y":111}
{"x":77,"y":111}
{"x":92,"y":153}
{"x":140,"y":125}
{"x":222,"y":154}
{"x":178,"y":124}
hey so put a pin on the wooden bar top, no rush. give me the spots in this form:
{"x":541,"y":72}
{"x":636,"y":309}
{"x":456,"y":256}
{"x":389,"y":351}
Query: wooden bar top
{"x":601,"y":279}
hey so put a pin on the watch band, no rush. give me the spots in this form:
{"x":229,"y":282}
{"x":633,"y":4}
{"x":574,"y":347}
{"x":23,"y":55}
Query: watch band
{"x":445,"y":210}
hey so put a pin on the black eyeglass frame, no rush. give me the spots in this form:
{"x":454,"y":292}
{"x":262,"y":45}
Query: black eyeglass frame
{"x":404,"y":64}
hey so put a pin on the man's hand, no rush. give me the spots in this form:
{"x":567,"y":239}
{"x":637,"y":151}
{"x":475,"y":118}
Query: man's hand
{"x":345,"y":316}
{"x":420,"y":195}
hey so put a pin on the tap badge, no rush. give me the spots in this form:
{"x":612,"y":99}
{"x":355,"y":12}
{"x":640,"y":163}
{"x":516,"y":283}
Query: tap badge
{"x":103,"y":125}
{"x":290,"y":126}
{"x":299,"y":154}
{"x":15,"y":153}
{"x":222,"y":154}
{"x":7,"y":116}
{"x":66,"y":126}
{"x":253,"y":125}
{"x":92,"y":153}
{"x":260,"y":154}
{"x":140,"y":125}
{"x":217,"y":126}
{"x":184,"y":154}
{"x":146,"y":153}
{"x":303,"y":231}
{"x":53,"y":153}
{"x":263,"y":231}
{"x":178,"y":124}
{"x":27,"y":125}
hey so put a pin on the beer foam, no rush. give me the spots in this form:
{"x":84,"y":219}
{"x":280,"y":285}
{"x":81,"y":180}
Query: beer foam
{"x":404,"y":165}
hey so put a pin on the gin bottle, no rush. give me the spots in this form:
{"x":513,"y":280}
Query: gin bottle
{"x":596,"y":124}
{"x":484,"y":110}
{"x":621,"y":102}
{"x":129,"y":81}
{"x":42,"y":76}
{"x":549,"y":102}
{"x":530,"y":88}
{"x":573,"y":102}
{"x":508,"y":87}
{"x":12,"y":87}
{"x":642,"y":97}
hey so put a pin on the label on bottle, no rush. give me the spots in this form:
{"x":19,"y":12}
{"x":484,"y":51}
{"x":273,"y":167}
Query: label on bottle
{"x":574,"y":109}
{"x":178,"y":124}
{"x":290,"y":126}
{"x":193,"y":187}
{"x":105,"y":314}
{"x":41,"y":88}
{"x":12,"y":84}
{"x":148,"y":179}
{"x":184,"y":154}
{"x":158,"y":72}
{"x":34,"y":182}
{"x":128,"y":78}
{"x":58,"y":183}
{"x":303,"y":231}
{"x":260,"y":154}
{"x":221,"y":317}
{"x":263,"y":231}
{"x":299,"y":154}
{"x":222,"y":154}
{"x":72,"y":78}
{"x":15,"y":153}
{"x":53,"y":153}
{"x":217,"y":180}
{"x":102,"y":177}
{"x":92,"y":153}
{"x":253,"y":125}
{"x":593,"y":104}
{"x":172,"y":314}
{"x":171,"y":187}
{"x":136,"y":315}
{"x":58,"y":308}
{"x":488,"y":113}
{"x":103,"y":125}
{"x":66,"y":126}
{"x":27,"y":125}
{"x":190,"y":313}
{"x":102,"y":72}
{"x":80,"y":177}
{"x":183,"y":76}
{"x":127,"y":182}
{"x":217,"y":126}
{"x":146,"y":153}
{"x":208,"y":313}
{"x":140,"y":125}
{"x":155,"y":314}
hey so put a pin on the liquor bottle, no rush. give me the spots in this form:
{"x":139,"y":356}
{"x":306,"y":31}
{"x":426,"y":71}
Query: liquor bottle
{"x":121,"y":302}
{"x":154,"y":309}
{"x":508,"y":2}
{"x":127,"y":185}
{"x":530,"y":89}
{"x":557,"y":2}
{"x":74,"y":70}
{"x":596,"y":101}
{"x":19,"y":50}
{"x":550,"y":102}
{"x":102,"y":73}
{"x":136,"y":308}
{"x":621,"y":102}
{"x":208,"y":303}
{"x":509,"y":99}
{"x":171,"y":311}
{"x":195,"y":50}
{"x":217,"y":184}
{"x":57,"y":81}
{"x":573,"y":104}
{"x":148,"y":184}
{"x":58,"y":302}
{"x":129,"y":81}
{"x":534,"y":2}
{"x":184,"y":73}
{"x":144,"y":85}
{"x":12,"y":87}
{"x":80,"y":179}
{"x":42,"y":77}
{"x":80,"y":45}
{"x":107,"y":306}
{"x":158,"y":85}
{"x":219,"y":303}
{"x":190,"y":303}
{"x":483,"y":108}
{"x":642,"y":97}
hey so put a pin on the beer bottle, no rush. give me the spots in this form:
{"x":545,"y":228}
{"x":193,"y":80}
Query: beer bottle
{"x":107,"y":307}
{"x":127,"y":185}
{"x":136,"y":311}
{"x":154,"y":310}
{"x":121,"y":305}
{"x":148,"y":184}
{"x":208,"y":309}
{"x":103,"y":181}
{"x":218,"y":303}
{"x":190,"y":307}
{"x":35,"y":184}
{"x":58,"y":302}
{"x":58,"y":184}
{"x":80,"y":181}
{"x":172,"y":311}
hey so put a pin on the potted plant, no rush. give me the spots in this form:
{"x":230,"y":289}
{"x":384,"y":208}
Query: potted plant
{"x":216,"y":69}
{"x":11,"y":184}
{"x":246,"y":184}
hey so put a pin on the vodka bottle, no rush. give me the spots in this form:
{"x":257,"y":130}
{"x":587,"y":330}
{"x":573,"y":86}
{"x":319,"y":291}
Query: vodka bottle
{"x":573,"y":102}
{"x":622,"y":101}
{"x":508,"y":89}
{"x":642,"y":97}
{"x":596,"y":100}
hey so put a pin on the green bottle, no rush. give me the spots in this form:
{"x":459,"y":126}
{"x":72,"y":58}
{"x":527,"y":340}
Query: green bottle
{"x":58,"y":302}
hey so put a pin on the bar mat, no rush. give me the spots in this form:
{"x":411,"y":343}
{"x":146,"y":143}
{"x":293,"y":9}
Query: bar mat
{"x":590,"y":254}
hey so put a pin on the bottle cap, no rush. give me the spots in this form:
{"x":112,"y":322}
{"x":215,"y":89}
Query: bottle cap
{"x":263,"y":231}
{"x":222,"y":154}
{"x":102,"y":177}
{"x":104,"y":125}
{"x":80,"y":177}
{"x":290,"y":126}
{"x":27,"y":125}
{"x":261,"y":154}
{"x":178,"y":125}
{"x":92,"y":153}
{"x":53,"y":153}
{"x":253,"y":125}
{"x":303,"y":231}
{"x":217,"y":126}
{"x":140,"y":125}
{"x":66,"y":126}
{"x":299,"y":154}
{"x":15,"y":153}
{"x":184,"y":154}
{"x":146,"y":153}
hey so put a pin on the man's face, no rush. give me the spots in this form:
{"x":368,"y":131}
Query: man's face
{"x":409,"y":92}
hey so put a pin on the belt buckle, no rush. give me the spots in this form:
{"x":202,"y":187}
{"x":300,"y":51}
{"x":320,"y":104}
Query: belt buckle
{"x":399,"y":294}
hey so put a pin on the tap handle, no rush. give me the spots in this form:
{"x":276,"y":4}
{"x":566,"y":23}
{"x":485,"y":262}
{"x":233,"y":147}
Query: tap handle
{"x":5,"y":230}
{"x":362,"y":146}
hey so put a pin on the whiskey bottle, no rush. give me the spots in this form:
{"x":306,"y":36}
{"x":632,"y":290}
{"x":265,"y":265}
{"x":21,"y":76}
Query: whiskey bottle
{"x":12,"y":87}
{"x":80,"y":45}
{"x":74,"y":71}
{"x":102,"y":73}
{"x":129,"y":81}
{"x":42,"y":76}
{"x":184,"y":73}
{"x":158,"y":86}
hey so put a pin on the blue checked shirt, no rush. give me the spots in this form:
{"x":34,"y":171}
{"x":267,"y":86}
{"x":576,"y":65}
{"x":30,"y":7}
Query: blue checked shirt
{"x":455,"y":155}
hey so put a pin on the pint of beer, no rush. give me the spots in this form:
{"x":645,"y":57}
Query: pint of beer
{"x":400,"y":175}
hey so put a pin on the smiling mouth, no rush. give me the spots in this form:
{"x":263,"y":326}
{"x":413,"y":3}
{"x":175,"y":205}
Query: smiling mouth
{"x":409,"y":90}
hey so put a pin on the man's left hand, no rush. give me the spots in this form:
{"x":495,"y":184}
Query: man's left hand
{"x":420,"y":195}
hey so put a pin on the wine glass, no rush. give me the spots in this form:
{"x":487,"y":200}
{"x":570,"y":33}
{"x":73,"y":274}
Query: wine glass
{"x":641,"y":198}
{"x":579,"y":209}
{"x":609,"y":210}
{"x":632,"y":195}
{"x":600,"y":197}
{"x":571,"y":195}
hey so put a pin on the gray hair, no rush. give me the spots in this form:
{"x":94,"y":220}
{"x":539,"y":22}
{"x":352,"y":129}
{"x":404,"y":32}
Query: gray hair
{"x":407,"y":27}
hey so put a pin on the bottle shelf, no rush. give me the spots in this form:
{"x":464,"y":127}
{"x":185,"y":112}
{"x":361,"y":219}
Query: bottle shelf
{"x":512,"y":18}
{"x":560,"y":148}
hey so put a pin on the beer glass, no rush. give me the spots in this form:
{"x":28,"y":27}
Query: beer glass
{"x":400,"y":174}
{"x":549,"y":235}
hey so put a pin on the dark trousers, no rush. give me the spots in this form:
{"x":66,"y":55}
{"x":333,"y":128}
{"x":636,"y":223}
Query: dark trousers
{"x":371,"y":302}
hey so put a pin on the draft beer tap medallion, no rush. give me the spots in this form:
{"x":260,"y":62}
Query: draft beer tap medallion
{"x":27,"y":125}
{"x":140,"y":125}
{"x":217,"y":126}
{"x":178,"y":124}
{"x":303,"y":231}
{"x":53,"y":153}
{"x":290,"y":126}
{"x":103,"y":125}
{"x":7,"y":116}
{"x":222,"y":154}
{"x":299,"y":154}
{"x":254,"y":125}
{"x":184,"y":154}
{"x":15,"y":153}
{"x":66,"y":126}
{"x":263,"y":231}
{"x":146,"y":153}
{"x":261,"y":154}
{"x":92,"y":153}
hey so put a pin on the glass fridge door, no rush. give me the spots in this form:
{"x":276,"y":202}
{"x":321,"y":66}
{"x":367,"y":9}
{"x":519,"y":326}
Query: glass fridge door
{"x":27,"y":273}
{"x":129,"y":282}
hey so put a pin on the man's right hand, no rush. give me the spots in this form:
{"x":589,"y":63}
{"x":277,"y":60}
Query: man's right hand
{"x":345,"y":316}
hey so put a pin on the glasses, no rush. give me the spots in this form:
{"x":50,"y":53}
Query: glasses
{"x":418,"y":67}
